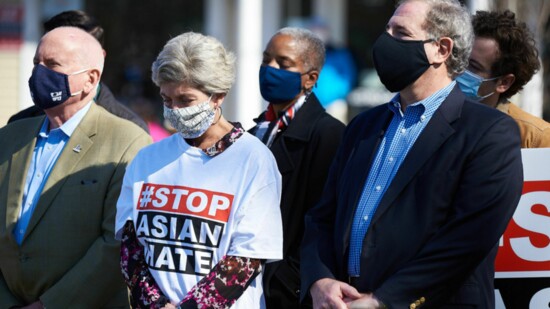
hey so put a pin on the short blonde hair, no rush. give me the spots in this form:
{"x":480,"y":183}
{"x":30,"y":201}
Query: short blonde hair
{"x":197,"y":60}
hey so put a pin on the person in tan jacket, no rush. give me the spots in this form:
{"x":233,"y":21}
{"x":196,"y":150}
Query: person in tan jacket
{"x":503,"y":59}
{"x":60,"y":177}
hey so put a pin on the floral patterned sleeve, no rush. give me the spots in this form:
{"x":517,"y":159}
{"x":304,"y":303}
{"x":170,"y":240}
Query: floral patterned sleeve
{"x":225,"y":283}
{"x":144,"y":291}
{"x":220,"y":288}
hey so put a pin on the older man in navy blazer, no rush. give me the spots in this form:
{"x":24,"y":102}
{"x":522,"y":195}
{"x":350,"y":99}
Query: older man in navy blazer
{"x":421,"y":188}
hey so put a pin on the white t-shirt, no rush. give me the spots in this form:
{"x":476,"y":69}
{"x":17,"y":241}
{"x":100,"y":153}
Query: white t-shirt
{"x":189,"y":210}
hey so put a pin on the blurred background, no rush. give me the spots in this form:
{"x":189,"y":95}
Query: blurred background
{"x":136,"y":30}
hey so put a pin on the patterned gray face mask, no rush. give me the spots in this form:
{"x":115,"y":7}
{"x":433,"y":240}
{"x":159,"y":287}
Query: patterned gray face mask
{"x":191,"y":121}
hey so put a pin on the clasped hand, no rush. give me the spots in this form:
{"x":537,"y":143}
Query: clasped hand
{"x":333,"y":294}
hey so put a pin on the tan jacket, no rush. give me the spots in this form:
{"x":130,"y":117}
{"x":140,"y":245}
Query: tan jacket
{"x":535,"y":132}
{"x":69,"y":257}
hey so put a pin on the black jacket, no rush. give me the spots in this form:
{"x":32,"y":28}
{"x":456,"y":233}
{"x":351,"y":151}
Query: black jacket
{"x":304,"y":152}
{"x":106,"y":99}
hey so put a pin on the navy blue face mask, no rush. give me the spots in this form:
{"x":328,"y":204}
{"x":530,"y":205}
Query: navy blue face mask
{"x":279,"y":86}
{"x":50,"y":88}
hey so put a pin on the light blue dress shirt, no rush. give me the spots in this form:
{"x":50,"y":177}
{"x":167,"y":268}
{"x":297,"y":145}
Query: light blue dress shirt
{"x":400,"y":136}
{"x":49,"y":145}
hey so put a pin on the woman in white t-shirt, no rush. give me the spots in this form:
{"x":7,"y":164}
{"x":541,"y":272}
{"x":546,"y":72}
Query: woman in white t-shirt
{"x":198,"y":213}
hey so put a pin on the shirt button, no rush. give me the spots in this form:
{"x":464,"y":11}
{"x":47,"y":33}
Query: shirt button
{"x":21,"y":231}
{"x":422,"y":118}
{"x":38,"y":175}
{"x":378,"y":188}
{"x":365,"y":218}
{"x":403,"y":131}
{"x":390,"y":159}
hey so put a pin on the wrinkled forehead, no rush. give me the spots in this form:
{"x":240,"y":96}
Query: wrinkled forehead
{"x":410,"y":15}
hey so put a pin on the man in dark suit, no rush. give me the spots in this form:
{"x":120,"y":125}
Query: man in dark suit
{"x":60,"y":177}
{"x":421,"y":188}
{"x":105,"y":97}
{"x":303,"y":138}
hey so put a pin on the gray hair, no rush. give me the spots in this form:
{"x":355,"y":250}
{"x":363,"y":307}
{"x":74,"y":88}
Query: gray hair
{"x":449,"y":18}
{"x":310,"y":46}
{"x":198,"y":60}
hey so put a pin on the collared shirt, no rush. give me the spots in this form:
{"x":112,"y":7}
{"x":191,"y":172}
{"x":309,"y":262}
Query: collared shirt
{"x":49,"y":145}
{"x":400,"y":136}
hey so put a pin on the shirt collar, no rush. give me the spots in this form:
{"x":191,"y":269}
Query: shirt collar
{"x":69,"y":126}
{"x":428,"y":103}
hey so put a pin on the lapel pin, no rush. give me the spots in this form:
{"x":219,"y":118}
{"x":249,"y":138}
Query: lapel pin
{"x":77,"y":148}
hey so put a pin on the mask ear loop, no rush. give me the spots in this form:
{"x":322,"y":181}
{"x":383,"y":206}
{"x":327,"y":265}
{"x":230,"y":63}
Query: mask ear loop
{"x":482,"y":80}
{"x":489,"y":94}
{"x":307,"y":92}
{"x":220,"y":117}
{"x":76,"y":73}
{"x":217,"y":108}
{"x":430,"y":41}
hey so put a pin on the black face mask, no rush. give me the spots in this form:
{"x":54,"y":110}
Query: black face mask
{"x":399,"y":62}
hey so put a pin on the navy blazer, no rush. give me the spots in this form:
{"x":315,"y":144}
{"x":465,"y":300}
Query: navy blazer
{"x":434,"y":235}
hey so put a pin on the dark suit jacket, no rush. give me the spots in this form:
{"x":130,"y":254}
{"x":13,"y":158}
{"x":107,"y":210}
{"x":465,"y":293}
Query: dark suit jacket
{"x":69,"y":257}
{"x":106,"y":99}
{"x":303,"y":152}
{"x":433,"y":236}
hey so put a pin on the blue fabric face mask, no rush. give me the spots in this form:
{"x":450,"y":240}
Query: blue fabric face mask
{"x":50,"y":88}
{"x":279,"y":86}
{"x":469,"y":84}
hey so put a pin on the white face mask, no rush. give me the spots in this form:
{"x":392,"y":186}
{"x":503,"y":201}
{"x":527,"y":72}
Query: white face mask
{"x":191,"y":121}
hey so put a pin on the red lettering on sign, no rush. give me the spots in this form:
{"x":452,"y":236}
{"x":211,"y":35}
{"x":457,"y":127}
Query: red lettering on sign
{"x":525,"y":245}
{"x":185,"y":200}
